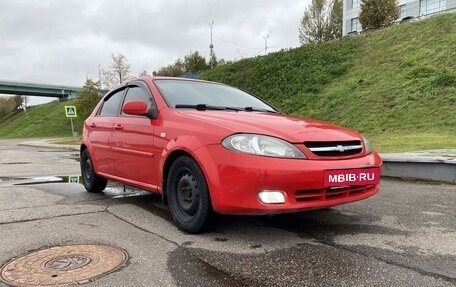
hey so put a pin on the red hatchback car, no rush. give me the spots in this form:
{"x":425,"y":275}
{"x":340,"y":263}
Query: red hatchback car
{"x":209,"y":148}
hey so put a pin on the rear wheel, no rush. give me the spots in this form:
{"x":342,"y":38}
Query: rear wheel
{"x":188,"y":196}
{"x":91,"y":181}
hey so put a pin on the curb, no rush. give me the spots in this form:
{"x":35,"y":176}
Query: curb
{"x":49,"y":143}
{"x":420,"y":166}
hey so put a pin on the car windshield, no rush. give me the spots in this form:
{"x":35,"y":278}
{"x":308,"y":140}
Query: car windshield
{"x":204,"y":95}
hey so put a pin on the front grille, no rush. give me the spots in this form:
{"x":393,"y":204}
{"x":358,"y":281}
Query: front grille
{"x":331,"y":193}
{"x":339,"y":148}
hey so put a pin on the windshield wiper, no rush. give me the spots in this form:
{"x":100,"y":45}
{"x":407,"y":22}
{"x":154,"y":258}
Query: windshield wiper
{"x":252,"y":109}
{"x":204,"y":107}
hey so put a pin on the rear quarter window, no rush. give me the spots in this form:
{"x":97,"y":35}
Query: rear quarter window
{"x":111,"y":107}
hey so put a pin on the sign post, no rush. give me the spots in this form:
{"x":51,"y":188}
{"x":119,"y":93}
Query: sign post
{"x":70,"y":112}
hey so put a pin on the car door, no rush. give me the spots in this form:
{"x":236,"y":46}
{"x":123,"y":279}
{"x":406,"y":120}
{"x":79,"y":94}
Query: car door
{"x":133,"y":141}
{"x":100,"y":129}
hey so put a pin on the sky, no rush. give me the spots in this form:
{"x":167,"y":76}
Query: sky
{"x":64,"y":42}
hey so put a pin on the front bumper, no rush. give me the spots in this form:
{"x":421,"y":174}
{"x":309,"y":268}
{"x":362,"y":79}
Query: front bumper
{"x":235,"y":179}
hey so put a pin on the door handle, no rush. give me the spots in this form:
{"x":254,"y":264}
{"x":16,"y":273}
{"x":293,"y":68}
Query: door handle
{"x":118,"y":126}
{"x":93,"y":125}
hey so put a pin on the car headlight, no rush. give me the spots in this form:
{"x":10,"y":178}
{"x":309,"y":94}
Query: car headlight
{"x":367,"y":145}
{"x":262,"y":145}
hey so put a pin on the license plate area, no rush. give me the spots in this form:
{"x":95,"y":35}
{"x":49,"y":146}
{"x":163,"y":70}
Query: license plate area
{"x":350,"y":177}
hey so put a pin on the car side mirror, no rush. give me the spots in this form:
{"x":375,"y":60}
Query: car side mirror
{"x":139,"y":108}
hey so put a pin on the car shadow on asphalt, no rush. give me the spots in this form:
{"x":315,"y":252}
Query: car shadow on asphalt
{"x":322,"y":225}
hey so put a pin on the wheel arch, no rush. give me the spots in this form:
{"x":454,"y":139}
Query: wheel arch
{"x":167,"y":166}
{"x":84,"y":147}
{"x":81,"y":149}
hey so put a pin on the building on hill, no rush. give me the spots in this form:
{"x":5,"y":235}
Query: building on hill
{"x":409,"y":9}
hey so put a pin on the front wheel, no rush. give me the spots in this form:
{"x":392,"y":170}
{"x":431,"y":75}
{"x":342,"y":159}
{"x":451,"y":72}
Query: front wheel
{"x":91,"y":181}
{"x":188,"y":196}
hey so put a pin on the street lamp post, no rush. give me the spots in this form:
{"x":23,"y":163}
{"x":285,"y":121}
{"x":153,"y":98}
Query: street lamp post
{"x":266,"y":44}
{"x":211,"y":47}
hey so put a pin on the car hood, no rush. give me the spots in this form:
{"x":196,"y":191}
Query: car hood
{"x":292,"y":129}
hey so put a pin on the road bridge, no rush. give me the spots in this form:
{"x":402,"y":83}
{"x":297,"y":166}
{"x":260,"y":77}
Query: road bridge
{"x":40,"y":90}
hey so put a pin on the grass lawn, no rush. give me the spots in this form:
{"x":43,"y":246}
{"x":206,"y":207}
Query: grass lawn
{"x":390,"y":142}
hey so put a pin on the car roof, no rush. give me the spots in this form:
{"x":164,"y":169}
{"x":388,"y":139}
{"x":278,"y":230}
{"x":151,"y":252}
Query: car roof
{"x":178,"y":79}
{"x":147,"y":79}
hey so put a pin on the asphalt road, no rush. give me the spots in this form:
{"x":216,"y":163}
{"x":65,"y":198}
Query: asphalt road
{"x":405,"y":236}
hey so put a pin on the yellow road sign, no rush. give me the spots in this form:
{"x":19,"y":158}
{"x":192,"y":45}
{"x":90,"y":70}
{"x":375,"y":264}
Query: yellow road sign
{"x":70,"y":112}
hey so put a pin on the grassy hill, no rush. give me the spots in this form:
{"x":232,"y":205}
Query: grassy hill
{"x":396,"y":85}
{"x":47,"y":120}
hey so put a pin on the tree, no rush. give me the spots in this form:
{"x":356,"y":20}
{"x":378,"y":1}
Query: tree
{"x":213,"y":62}
{"x":194,"y":62}
{"x":87,"y":99}
{"x":376,"y":14}
{"x":222,"y":62}
{"x":143,"y":73}
{"x":174,"y":70}
{"x":17,"y":101}
{"x":119,"y":72}
{"x":334,"y":25}
{"x":322,"y":21}
{"x":24,"y":103}
{"x":9,"y":105}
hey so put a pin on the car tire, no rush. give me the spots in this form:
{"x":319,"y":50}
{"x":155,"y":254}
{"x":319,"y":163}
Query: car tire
{"x":188,"y":196}
{"x":91,"y":181}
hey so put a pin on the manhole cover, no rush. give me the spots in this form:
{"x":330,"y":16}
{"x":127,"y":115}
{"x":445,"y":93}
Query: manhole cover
{"x":67,"y":262}
{"x":60,"y":265}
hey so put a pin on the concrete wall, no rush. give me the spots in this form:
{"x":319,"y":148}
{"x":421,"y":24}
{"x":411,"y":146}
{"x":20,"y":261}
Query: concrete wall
{"x":451,"y":4}
{"x":349,"y":13}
